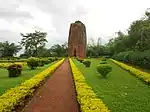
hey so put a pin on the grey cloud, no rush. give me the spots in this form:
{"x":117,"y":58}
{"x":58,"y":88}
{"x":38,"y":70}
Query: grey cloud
{"x":8,"y":10}
{"x":7,"y":14}
{"x":62,"y":12}
{"x":6,"y":35}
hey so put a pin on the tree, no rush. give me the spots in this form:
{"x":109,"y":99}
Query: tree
{"x":117,"y":44}
{"x":143,"y":43}
{"x":32,"y":42}
{"x":59,"y":50}
{"x":96,"y":50}
{"x":147,"y":13}
{"x":8,"y":49}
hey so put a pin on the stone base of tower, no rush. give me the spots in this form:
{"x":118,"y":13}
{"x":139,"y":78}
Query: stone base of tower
{"x":76,"y":51}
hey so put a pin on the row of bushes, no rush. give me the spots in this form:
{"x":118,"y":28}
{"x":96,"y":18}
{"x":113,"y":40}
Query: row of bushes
{"x":88,"y":100}
{"x":103,"y":68}
{"x":141,"y":75}
{"x":141,"y":59}
{"x":13,"y":60}
{"x":33,"y":62}
{"x":5,"y":65}
{"x":37,"y":62}
{"x":14,"y":70}
{"x":87,"y":63}
{"x":16,"y":97}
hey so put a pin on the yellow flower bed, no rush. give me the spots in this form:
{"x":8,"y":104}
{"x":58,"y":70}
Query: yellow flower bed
{"x":88,"y":100}
{"x":5,"y":65}
{"x":16,"y":96}
{"x":138,"y":73}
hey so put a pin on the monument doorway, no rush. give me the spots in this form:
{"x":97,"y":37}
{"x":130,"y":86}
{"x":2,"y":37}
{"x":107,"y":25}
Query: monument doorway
{"x":75,"y":53}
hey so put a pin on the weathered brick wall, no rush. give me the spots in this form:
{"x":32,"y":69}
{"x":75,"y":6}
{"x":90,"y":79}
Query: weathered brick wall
{"x":77,"y":40}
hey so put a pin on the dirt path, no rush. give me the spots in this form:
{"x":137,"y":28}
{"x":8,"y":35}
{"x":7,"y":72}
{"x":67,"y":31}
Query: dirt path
{"x":57,"y":94}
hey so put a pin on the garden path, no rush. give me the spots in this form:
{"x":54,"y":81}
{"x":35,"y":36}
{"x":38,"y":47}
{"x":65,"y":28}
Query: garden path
{"x":57,"y":94}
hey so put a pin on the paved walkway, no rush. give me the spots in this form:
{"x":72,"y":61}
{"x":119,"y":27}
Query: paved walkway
{"x":57,"y":94}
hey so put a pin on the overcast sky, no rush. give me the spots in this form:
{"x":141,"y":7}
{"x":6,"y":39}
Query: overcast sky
{"x":102,"y":18}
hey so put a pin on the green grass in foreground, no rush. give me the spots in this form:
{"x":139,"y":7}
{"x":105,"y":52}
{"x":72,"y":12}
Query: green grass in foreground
{"x":7,"y":83}
{"x":121,"y":91}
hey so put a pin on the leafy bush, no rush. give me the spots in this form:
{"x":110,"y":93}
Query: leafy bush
{"x":103,"y":62}
{"x":87,"y":63}
{"x":41,"y":62}
{"x":46,"y":61}
{"x":104,"y":59}
{"x":55,"y":59}
{"x":32,"y":62}
{"x":14,"y":70}
{"x":51,"y":59}
{"x":104,"y":69}
{"x":7,"y":61}
{"x":141,"y":59}
{"x":80,"y":60}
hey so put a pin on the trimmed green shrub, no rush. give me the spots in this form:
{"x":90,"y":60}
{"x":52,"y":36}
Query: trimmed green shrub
{"x":104,"y":69}
{"x":80,"y":60}
{"x":32,"y":62}
{"x":51,"y":59}
{"x":87,"y":63}
{"x":104,"y":59}
{"x":55,"y":59}
{"x":46,"y":61}
{"x":103,"y":62}
{"x":14,"y":70}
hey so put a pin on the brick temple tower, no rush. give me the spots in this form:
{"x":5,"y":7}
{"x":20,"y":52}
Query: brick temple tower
{"x":77,"y":40}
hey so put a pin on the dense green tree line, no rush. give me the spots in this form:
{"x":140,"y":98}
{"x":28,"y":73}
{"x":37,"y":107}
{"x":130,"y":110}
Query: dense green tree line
{"x":8,"y":49}
{"x":133,"y":47}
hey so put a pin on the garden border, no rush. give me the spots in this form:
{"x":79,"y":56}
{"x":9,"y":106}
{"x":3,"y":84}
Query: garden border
{"x":86,"y":97}
{"x":16,"y":96}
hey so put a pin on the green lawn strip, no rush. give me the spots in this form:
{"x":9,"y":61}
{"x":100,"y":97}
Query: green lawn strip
{"x":121,"y":91}
{"x":7,"y":83}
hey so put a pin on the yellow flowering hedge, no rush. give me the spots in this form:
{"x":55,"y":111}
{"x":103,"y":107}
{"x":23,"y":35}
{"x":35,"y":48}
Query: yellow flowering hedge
{"x":138,"y":73}
{"x":5,"y":65}
{"x":88,"y":100}
{"x":16,"y":96}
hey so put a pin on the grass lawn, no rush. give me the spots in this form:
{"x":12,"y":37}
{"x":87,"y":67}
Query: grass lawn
{"x":121,"y":91}
{"x":7,"y":83}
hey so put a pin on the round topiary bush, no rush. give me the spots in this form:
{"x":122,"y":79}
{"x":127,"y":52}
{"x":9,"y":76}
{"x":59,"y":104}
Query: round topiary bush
{"x":80,"y":60}
{"x":104,"y":59}
{"x":104,"y":69}
{"x":103,"y":62}
{"x":32,"y":62}
{"x":14,"y":70}
{"x":87,"y":63}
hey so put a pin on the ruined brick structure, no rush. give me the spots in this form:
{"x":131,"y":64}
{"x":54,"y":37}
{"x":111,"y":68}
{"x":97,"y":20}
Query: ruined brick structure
{"x":77,"y":40}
